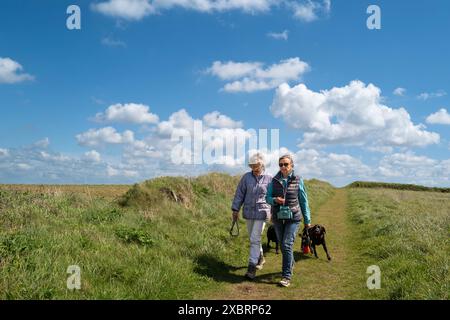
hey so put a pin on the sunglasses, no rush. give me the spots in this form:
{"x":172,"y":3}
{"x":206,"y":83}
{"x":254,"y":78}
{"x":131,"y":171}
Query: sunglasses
{"x":284,"y":164}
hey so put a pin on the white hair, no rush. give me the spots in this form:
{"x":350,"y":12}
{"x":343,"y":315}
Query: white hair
{"x":257,"y":158}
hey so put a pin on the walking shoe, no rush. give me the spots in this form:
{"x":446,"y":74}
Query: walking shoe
{"x":261,"y":262}
{"x":251,"y":272}
{"x":285,"y":282}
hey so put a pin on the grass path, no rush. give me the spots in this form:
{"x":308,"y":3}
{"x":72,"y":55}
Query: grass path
{"x":342,"y":278}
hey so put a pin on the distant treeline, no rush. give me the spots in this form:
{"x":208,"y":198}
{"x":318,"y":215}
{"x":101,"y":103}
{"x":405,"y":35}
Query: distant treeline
{"x":399,"y":186}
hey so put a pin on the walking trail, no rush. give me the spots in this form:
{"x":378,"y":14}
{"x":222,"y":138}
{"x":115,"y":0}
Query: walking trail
{"x":341,"y":278}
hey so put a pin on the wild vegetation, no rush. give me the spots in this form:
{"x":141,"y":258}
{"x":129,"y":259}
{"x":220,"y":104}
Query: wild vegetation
{"x":407,"y":234}
{"x":167,"y":238}
{"x":397,"y":186}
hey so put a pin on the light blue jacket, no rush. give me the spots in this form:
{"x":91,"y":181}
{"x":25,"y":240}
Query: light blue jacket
{"x":251,"y":192}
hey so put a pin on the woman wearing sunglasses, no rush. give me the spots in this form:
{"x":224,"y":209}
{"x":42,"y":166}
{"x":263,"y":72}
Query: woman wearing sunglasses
{"x":287,"y":195}
{"x":251,"y":192}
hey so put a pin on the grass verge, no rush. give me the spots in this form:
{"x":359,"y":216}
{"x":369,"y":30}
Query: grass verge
{"x":407,"y":234}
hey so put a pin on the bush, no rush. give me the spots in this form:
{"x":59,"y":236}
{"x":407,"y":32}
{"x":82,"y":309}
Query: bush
{"x":132,"y":235}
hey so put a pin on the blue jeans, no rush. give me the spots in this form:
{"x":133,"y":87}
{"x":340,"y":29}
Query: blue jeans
{"x":286,"y":232}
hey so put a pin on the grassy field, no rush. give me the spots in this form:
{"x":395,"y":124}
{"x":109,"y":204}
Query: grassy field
{"x":94,"y":191}
{"x":396,"y":186}
{"x":160,"y":240}
{"x":407,"y":234}
{"x":167,"y":238}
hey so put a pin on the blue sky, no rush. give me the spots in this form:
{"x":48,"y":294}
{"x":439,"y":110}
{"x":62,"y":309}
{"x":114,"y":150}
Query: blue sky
{"x":98,"y":105}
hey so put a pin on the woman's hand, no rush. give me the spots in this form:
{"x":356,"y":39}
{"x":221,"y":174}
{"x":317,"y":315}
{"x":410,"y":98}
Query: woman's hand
{"x":279,"y":200}
{"x":235,"y":215}
{"x":308,"y":225}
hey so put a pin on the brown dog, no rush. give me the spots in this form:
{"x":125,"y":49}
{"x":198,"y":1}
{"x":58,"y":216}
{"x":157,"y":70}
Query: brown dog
{"x":314,"y":236}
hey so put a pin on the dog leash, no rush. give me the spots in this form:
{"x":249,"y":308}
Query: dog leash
{"x":235,"y":223}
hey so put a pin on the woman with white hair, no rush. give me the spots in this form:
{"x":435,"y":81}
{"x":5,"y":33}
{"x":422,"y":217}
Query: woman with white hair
{"x":287,"y":196}
{"x":251,"y":192}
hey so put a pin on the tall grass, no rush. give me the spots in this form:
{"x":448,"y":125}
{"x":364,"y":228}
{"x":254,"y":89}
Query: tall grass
{"x":407,"y":234}
{"x":165,"y":238}
{"x":397,"y":186}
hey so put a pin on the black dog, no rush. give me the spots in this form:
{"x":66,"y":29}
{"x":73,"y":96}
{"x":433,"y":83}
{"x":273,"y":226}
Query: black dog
{"x":272,"y":236}
{"x":314,"y":236}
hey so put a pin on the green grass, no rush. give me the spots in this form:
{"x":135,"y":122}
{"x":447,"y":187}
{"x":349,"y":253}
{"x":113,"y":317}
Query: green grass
{"x":398,"y":186}
{"x":165,"y":238}
{"x":405,"y":233}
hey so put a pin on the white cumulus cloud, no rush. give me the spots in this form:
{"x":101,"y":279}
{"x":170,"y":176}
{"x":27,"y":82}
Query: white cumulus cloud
{"x":92,"y":155}
{"x":107,"y":135}
{"x":313,"y":163}
{"x":217,"y":120}
{"x":112,"y":172}
{"x":309,"y":10}
{"x":11,"y":72}
{"x":52,"y":157}
{"x":251,"y":6}
{"x":411,"y":168}
{"x":352,"y":115}
{"x":125,"y":9}
{"x":127,"y":113}
{"x":304,"y":10}
{"x":233,"y":70}
{"x":138,"y":9}
{"x":252,"y":76}
{"x":215,"y":127}
{"x":440,"y":117}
